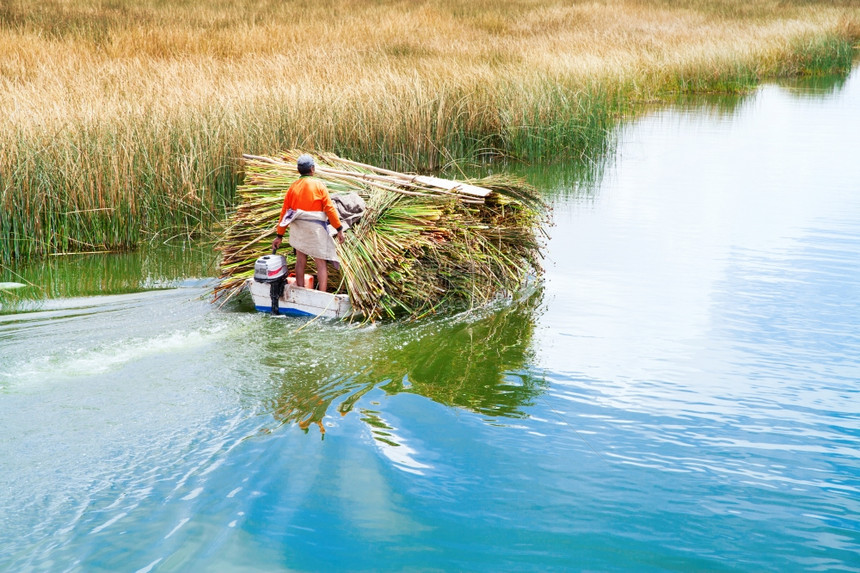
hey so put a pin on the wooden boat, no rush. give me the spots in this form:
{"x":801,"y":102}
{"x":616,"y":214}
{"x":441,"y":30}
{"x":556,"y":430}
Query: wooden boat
{"x":300,"y":301}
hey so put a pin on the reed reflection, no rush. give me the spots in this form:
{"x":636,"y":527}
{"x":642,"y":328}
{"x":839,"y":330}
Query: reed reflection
{"x":478,"y":362}
{"x":102,"y":274}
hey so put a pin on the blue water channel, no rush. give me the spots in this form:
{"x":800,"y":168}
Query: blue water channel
{"x":681,"y":391}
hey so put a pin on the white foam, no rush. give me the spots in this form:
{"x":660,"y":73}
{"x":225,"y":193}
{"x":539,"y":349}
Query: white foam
{"x":109,"y":522}
{"x":194,"y":493}
{"x":149,"y":567}
{"x":80,"y":362}
{"x":178,"y":526}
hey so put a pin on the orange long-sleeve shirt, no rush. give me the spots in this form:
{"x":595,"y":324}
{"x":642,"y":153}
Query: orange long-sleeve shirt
{"x":308,"y":194}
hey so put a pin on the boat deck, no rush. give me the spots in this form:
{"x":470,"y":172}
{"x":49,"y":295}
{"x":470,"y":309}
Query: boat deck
{"x":301,"y":301}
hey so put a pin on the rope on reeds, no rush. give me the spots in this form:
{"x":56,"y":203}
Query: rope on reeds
{"x":422,"y":243}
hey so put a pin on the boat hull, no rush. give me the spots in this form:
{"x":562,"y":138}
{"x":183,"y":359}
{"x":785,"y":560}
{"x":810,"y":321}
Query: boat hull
{"x":301,"y":301}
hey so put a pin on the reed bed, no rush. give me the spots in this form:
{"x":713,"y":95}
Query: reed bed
{"x":124,"y":121}
{"x":422,"y":243}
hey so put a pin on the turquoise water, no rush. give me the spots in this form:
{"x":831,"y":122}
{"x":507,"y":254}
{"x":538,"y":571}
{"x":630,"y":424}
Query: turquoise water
{"x":680,"y":392}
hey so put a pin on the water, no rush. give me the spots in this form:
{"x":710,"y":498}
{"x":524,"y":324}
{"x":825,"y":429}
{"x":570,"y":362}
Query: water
{"x":680,"y":393}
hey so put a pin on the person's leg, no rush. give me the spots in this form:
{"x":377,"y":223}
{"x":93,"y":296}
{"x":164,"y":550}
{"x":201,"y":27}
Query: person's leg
{"x":301,"y":263}
{"x":322,"y":274}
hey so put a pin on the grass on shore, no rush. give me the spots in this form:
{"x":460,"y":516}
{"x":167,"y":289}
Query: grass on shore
{"x":124,"y":121}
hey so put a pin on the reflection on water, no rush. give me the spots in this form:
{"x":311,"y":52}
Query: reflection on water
{"x":150,"y":267}
{"x":814,"y":87}
{"x":477,"y":361}
{"x":479,"y":364}
{"x":713,"y":106}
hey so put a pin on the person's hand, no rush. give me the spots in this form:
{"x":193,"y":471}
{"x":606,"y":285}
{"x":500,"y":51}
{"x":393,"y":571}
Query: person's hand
{"x":340,"y":237}
{"x":276,"y":243}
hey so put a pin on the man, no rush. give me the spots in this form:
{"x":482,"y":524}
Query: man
{"x":312,"y":206}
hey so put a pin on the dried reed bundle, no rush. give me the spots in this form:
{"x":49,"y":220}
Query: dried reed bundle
{"x":423,"y":241}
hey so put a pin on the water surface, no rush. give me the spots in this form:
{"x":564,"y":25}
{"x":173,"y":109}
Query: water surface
{"x":680,"y":392}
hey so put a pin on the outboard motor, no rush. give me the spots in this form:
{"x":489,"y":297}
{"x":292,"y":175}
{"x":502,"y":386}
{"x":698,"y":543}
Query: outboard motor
{"x":272,"y":269}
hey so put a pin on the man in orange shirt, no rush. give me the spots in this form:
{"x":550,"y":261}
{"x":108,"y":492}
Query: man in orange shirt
{"x":307,"y":208}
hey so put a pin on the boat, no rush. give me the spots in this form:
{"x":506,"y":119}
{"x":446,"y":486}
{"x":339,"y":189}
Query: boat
{"x":300,"y":301}
{"x":273,"y":291}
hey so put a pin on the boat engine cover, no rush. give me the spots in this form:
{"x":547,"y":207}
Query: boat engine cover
{"x":270,"y":268}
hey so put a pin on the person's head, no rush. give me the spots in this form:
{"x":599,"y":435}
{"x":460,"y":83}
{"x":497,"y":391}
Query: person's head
{"x":305,"y":164}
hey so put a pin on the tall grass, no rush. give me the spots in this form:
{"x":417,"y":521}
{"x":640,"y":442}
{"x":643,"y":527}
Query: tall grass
{"x":123,"y":121}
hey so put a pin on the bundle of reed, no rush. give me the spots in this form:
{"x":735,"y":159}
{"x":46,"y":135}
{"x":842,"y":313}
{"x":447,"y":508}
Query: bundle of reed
{"x":422,"y":242}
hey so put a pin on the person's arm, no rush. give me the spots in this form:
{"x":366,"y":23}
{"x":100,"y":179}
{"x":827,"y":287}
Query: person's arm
{"x":279,"y":230}
{"x":331,"y":211}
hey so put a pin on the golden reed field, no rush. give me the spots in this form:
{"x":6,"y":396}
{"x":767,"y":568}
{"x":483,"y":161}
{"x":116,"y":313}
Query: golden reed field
{"x":124,"y":120}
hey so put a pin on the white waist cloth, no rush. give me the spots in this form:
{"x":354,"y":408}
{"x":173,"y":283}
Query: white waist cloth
{"x":309,"y":234}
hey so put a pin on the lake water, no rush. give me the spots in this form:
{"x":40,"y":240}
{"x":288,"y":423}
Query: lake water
{"x":681,"y":392}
